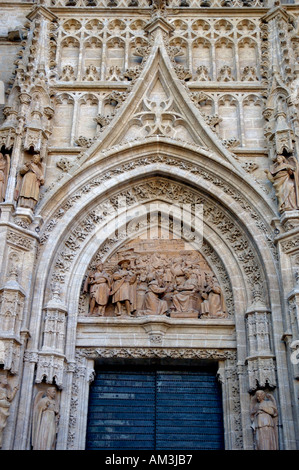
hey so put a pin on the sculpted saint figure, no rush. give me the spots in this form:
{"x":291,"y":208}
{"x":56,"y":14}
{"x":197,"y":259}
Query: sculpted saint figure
{"x":153,"y":305}
{"x":285,"y":181}
{"x":4,"y":169}
{"x":213,"y":304}
{"x":45,"y":420}
{"x":6,"y":397}
{"x":264,"y":421}
{"x":99,"y":289}
{"x":124,"y":288}
{"x":32,"y":173}
{"x":182,"y":297}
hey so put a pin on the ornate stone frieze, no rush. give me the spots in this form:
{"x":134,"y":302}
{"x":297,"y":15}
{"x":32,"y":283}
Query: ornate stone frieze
{"x":291,"y":244}
{"x":21,"y":241}
{"x":158,"y":277}
{"x":173,"y":353}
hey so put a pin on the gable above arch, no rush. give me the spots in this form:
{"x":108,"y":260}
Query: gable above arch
{"x":157,"y":105}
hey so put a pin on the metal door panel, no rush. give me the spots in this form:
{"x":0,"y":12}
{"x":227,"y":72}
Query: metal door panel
{"x":155,"y":410}
{"x":122,"y":411}
{"x":188,"y":411}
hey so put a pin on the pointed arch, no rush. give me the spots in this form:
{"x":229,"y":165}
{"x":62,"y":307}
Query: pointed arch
{"x":69,"y":54}
{"x":92,"y":56}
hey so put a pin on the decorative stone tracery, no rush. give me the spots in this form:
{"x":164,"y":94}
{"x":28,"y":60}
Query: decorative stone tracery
{"x":141,"y":104}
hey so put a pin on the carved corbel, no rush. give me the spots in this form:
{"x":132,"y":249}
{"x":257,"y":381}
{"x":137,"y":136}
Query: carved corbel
{"x":50,"y":368}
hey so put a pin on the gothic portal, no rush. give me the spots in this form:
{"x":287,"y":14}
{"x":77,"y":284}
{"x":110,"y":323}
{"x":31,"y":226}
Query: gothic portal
{"x":149,"y":198}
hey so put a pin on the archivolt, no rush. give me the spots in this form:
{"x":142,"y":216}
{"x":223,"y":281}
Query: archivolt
{"x":89,"y":228}
{"x":236,"y":216}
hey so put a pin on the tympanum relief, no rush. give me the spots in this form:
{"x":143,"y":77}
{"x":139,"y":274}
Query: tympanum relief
{"x":157,"y":277}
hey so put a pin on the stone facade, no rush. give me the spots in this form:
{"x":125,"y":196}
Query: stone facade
{"x":149,"y":187}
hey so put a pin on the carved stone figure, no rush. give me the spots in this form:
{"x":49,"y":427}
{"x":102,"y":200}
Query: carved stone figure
{"x":124,"y":289}
{"x":213,"y":304}
{"x":99,"y":288}
{"x":4,"y":169}
{"x":285,"y":181}
{"x":264,"y":421}
{"x":155,"y":278}
{"x":153,"y":305}
{"x":32,"y":179}
{"x":45,"y":420}
{"x":6,"y":397}
{"x":183,"y":296}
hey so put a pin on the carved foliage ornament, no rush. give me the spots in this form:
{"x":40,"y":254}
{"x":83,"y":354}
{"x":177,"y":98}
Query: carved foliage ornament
{"x":178,"y":194}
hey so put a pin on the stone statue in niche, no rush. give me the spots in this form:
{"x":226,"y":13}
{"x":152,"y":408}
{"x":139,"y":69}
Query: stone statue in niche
{"x":157,"y":277}
{"x":264,"y":417}
{"x":45,"y":420}
{"x":31,"y":177}
{"x":98,"y":283}
{"x":124,"y":288}
{"x":7,"y":394}
{"x":284,"y":176}
{"x":4,"y":170}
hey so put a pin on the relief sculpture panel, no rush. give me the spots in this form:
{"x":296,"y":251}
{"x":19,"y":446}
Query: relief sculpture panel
{"x":156,"y":277}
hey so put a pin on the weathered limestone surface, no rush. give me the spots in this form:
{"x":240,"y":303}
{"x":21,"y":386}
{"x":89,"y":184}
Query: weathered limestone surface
{"x":149,"y":207}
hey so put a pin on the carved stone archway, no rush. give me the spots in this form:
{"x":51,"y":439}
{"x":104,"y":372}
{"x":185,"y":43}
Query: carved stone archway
{"x":227,"y":244}
{"x":223,"y":243}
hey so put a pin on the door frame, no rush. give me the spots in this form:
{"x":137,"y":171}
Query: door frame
{"x":180,"y":371}
{"x":72,"y":435}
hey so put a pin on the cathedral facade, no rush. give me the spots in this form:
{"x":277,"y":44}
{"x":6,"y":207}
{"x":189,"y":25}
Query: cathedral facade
{"x":149,"y":218}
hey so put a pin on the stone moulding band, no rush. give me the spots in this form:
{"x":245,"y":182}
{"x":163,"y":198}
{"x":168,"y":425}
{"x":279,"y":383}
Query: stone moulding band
{"x":174,"y":353}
